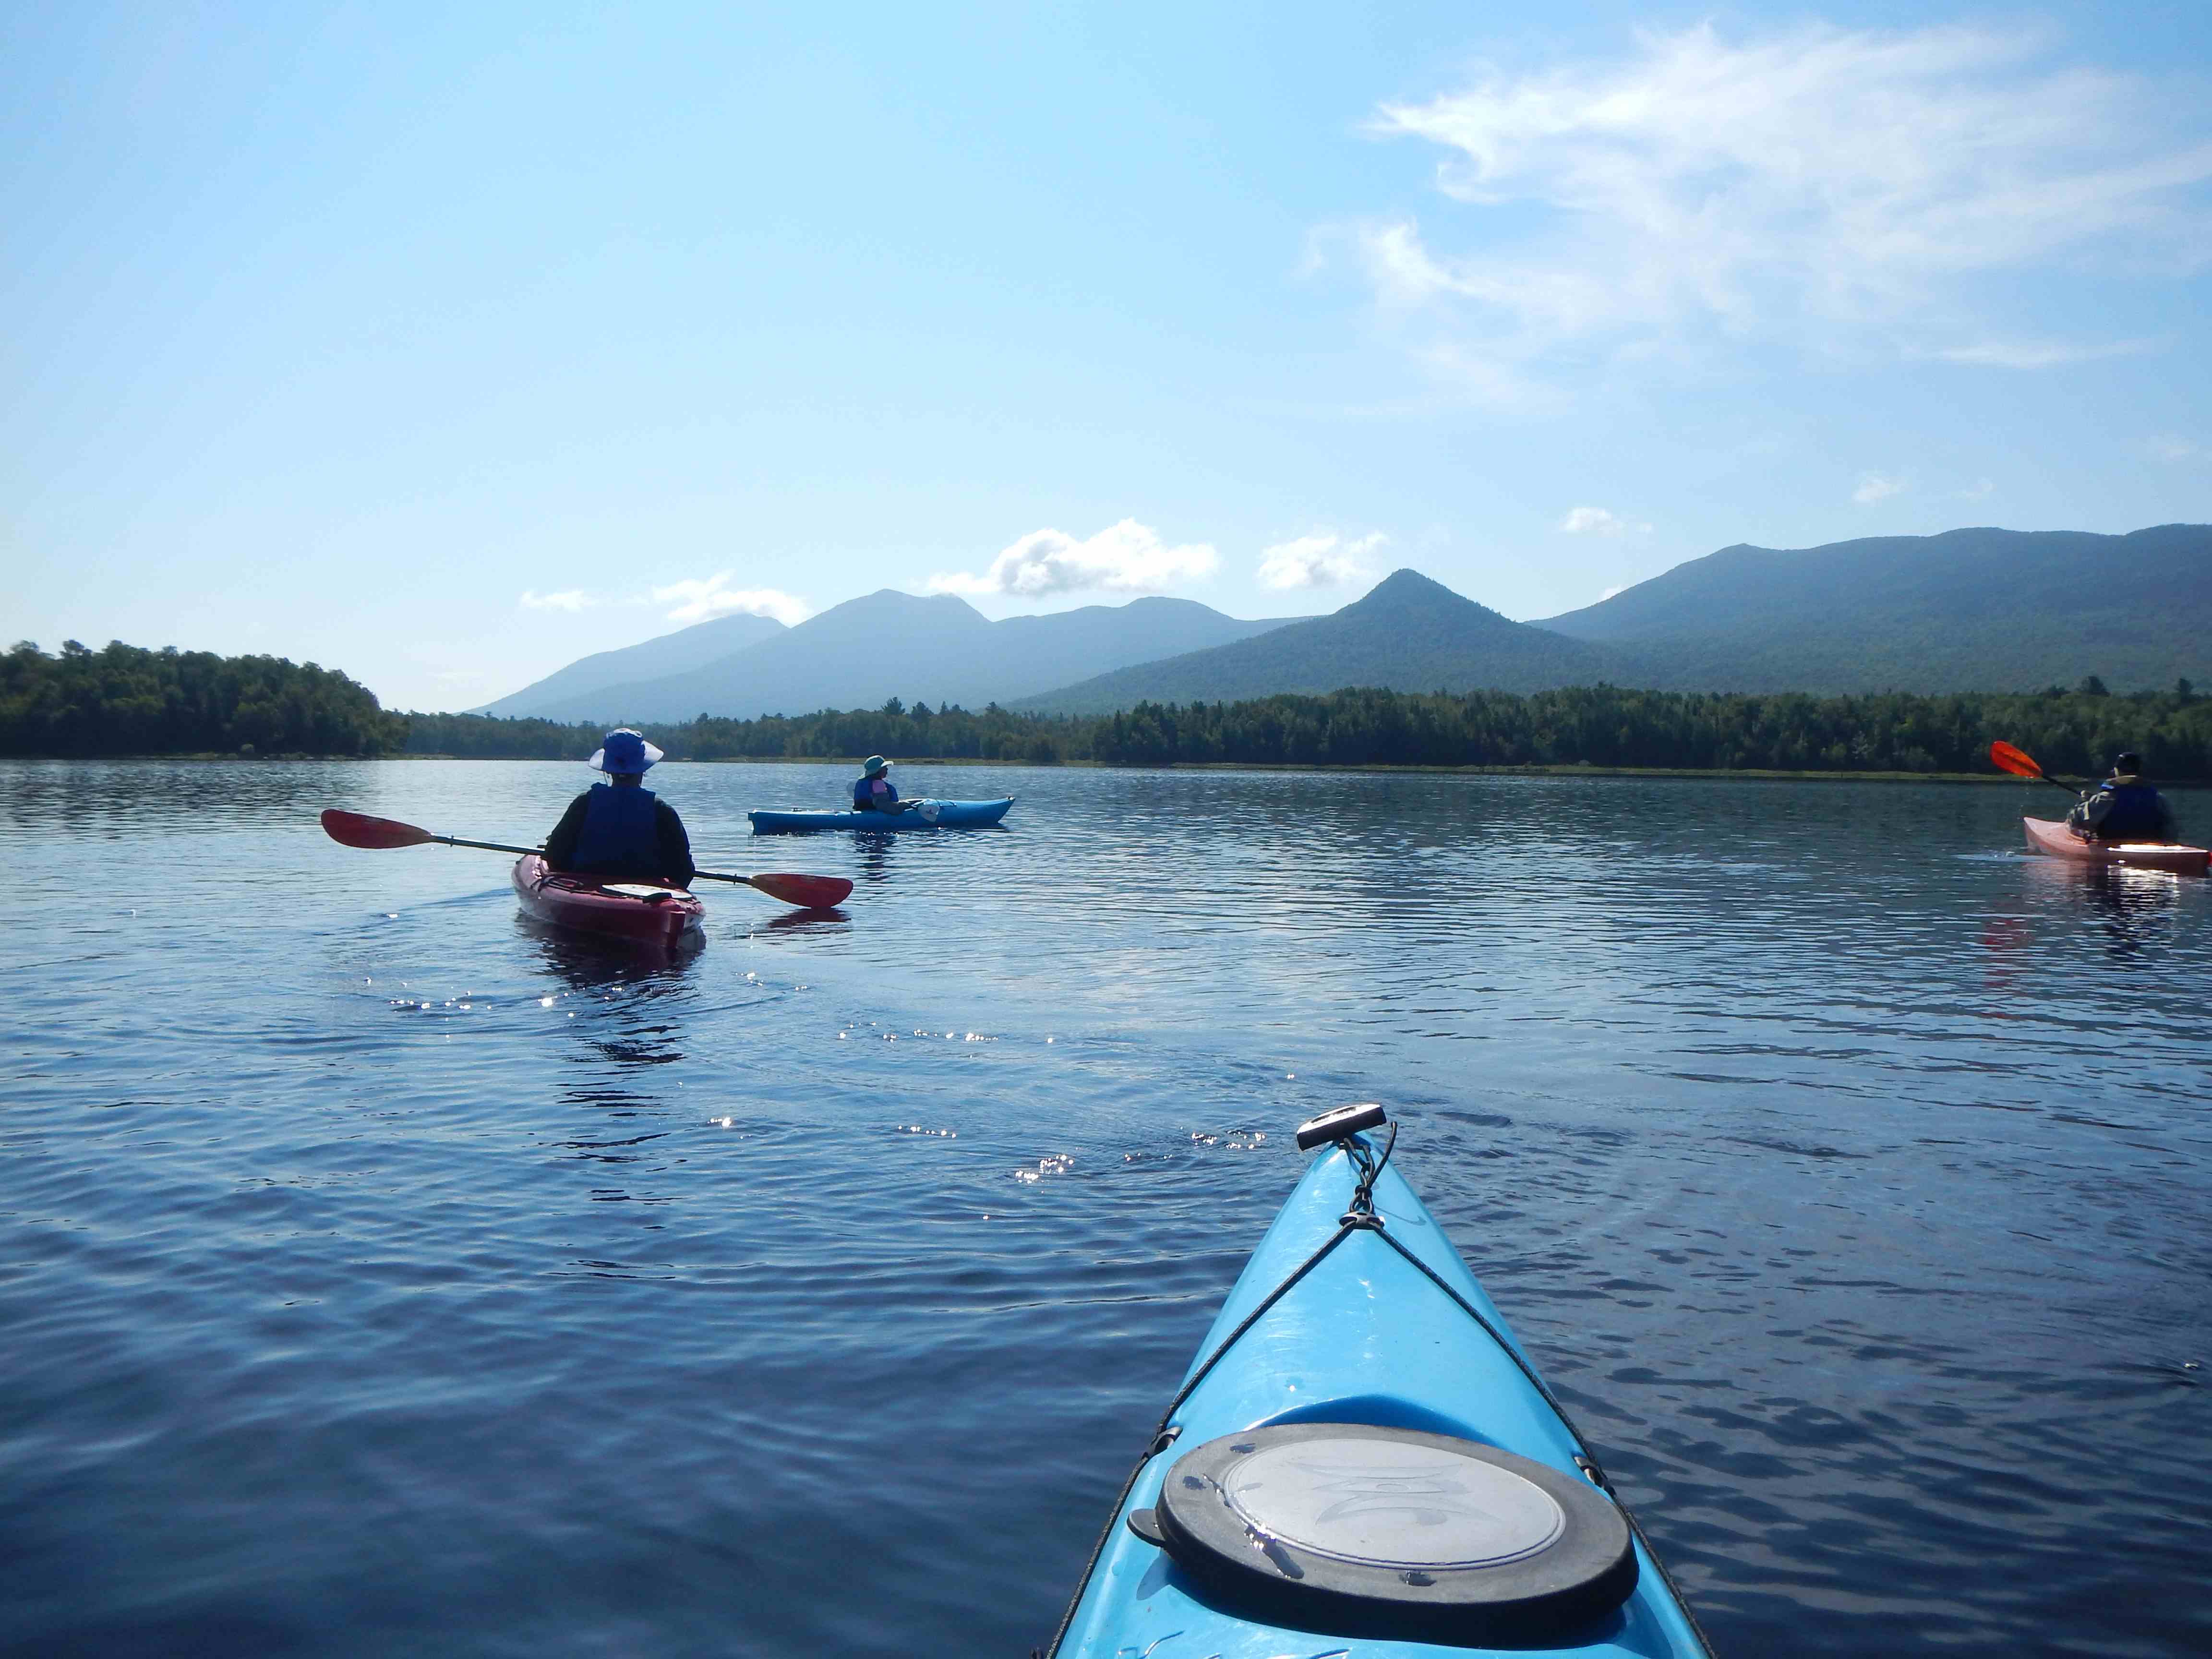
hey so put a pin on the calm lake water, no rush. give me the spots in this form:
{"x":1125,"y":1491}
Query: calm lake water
{"x":380,"y":1276}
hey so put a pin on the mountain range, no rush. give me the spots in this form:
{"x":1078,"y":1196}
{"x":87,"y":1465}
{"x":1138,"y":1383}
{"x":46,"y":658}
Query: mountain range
{"x":1969,"y":610}
{"x":1966,"y":610}
{"x":883,"y":645}
{"x":1409,"y":633}
{"x":671,"y":654}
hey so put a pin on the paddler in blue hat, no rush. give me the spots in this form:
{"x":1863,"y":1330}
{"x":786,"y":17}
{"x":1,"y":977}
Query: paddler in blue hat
{"x":620,"y":830}
{"x":872,"y":791}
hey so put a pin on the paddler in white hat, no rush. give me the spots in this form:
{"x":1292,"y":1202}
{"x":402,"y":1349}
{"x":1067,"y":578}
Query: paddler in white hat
{"x":620,"y":830}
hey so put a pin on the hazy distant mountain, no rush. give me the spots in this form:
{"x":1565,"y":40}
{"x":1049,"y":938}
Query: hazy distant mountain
{"x":1966,"y":610}
{"x":671,"y":654}
{"x":889,"y":644}
{"x":1969,"y":610}
{"x":1410,"y":634}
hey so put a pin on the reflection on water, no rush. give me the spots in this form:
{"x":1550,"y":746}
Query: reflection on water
{"x":584,"y":961}
{"x":2133,"y":909}
{"x":873,"y":855}
{"x":818,"y":923}
{"x":635,"y":1002}
{"x":1852,"y":1188}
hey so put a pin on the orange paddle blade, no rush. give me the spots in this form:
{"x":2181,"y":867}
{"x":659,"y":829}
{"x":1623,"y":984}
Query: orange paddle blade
{"x":808,"y":892}
{"x":359,"y":829}
{"x":2018,"y":761}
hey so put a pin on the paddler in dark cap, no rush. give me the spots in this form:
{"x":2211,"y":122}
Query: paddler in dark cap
{"x":620,"y":830}
{"x":2122,"y":807}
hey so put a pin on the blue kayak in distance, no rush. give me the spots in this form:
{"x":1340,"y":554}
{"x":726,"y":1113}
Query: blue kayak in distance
{"x":1362,"y":1461}
{"x":929,"y":815}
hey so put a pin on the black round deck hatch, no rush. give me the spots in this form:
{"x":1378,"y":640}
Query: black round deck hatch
{"x":1351,"y":1529}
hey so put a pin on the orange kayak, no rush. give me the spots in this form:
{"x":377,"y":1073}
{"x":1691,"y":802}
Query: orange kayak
{"x":2051,"y":836}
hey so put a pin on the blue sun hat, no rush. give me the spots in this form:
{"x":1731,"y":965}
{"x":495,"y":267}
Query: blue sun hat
{"x":624,"y":754}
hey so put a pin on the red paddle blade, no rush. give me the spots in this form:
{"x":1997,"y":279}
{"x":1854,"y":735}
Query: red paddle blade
{"x":808,"y":892}
{"x":2018,"y":761}
{"x":359,"y":829}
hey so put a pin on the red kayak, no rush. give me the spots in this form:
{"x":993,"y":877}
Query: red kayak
{"x":2049,"y":836}
{"x":613,"y":909}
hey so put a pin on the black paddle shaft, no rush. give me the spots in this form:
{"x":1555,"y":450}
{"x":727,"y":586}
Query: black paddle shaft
{"x":486,"y":846}
{"x":525,"y":852}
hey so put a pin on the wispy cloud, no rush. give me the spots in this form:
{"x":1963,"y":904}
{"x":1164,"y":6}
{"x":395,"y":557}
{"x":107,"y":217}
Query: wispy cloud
{"x":1124,"y":558}
{"x":2040,"y":353}
{"x":1878,"y":487}
{"x":1832,"y":188}
{"x":1976,"y":490}
{"x":1323,"y":559}
{"x":572,"y":598}
{"x":1600,"y":521}
{"x":2172,"y":448}
{"x":701,"y":599}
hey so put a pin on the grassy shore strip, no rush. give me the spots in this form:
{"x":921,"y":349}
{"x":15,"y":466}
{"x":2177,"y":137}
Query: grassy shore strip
{"x":852,"y":764}
{"x":1580,"y":771}
{"x":196,"y":757}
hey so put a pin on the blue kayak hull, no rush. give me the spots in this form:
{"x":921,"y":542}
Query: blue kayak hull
{"x":1364,"y":1338}
{"x":931,"y":815}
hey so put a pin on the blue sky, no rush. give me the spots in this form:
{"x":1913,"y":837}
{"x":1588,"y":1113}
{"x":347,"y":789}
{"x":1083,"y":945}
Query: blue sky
{"x":446,"y":344}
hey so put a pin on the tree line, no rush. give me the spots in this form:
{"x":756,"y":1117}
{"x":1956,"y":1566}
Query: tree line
{"x":949,"y":733}
{"x":125,"y":700}
{"x":2077,"y":731}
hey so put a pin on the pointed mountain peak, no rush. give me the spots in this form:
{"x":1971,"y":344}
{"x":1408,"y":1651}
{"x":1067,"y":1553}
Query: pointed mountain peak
{"x":1405,"y":582}
{"x":1408,"y":592}
{"x":889,"y":602}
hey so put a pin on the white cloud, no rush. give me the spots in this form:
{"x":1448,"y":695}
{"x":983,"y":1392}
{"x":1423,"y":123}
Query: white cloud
{"x":695,"y":600}
{"x":1610,"y":592}
{"x":573,"y":598}
{"x":1323,"y":559}
{"x":1124,"y":558}
{"x":1976,"y":490}
{"x":1600,"y":521}
{"x":1877,"y":487}
{"x":2177,"y":449}
{"x":1834,"y":189}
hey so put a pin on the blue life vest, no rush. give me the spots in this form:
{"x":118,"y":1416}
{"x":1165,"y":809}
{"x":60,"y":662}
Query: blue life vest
{"x":619,"y":833}
{"x":2133,"y":815}
{"x":863,"y":795}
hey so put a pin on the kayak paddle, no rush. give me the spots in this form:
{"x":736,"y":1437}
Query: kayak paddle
{"x":359,"y":829}
{"x":2021,"y":763}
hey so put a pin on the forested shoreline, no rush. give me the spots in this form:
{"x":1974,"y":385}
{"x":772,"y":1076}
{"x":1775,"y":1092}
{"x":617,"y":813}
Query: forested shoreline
{"x":2076,"y":731}
{"x":126,"y":700}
